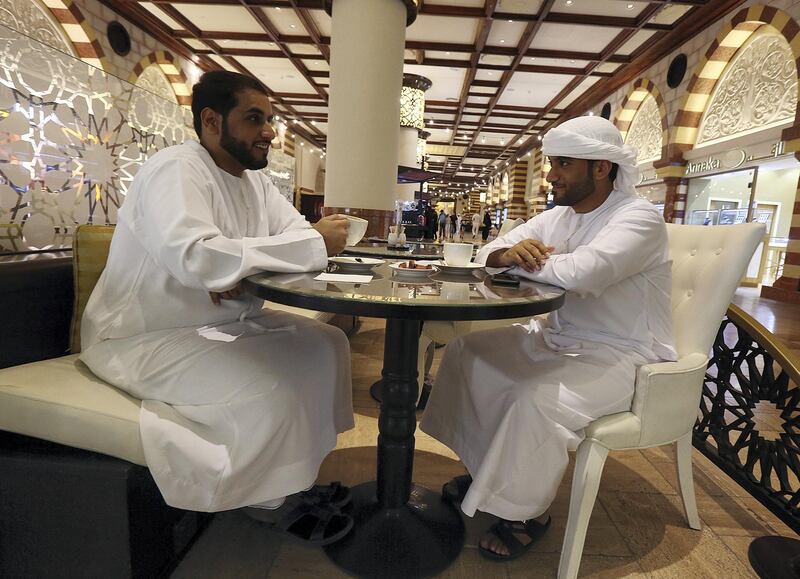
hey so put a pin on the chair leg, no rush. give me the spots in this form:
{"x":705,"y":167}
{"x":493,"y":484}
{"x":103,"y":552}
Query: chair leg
{"x":589,"y":462}
{"x":683,"y":463}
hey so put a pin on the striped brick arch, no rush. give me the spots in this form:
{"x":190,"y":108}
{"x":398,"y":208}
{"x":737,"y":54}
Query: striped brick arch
{"x":687,"y":122}
{"x":733,"y":35}
{"x":171,"y":69}
{"x":79,"y":32}
{"x":517,"y":175}
{"x":641,"y":88}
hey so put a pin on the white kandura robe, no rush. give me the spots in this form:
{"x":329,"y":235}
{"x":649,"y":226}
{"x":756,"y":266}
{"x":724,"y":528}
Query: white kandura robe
{"x":511,"y":401}
{"x":239,"y":405}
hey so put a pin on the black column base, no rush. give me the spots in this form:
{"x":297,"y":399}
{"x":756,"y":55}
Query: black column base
{"x":419,"y":539}
{"x":775,"y":557}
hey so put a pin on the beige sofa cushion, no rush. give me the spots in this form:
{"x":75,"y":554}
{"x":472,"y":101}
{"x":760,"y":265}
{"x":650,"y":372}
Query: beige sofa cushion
{"x":60,"y":400}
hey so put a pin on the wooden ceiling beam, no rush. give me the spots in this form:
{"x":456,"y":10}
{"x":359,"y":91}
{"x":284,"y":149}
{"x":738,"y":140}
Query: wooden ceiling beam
{"x":531,"y":29}
{"x":311,"y":27}
{"x":608,"y":51}
{"x":272,"y":32}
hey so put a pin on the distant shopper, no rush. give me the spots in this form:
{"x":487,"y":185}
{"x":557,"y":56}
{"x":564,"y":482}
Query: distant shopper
{"x":442,"y":223}
{"x":487,"y":225}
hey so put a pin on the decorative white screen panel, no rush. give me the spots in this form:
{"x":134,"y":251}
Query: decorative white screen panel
{"x":645,"y":132}
{"x":758,"y":90}
{"x":71,"y":140}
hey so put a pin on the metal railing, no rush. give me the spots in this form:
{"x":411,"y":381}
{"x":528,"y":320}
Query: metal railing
{"x":749,"y":418}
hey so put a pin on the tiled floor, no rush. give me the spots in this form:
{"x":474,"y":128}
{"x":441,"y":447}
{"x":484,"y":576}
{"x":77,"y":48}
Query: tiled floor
{"x":637,"y":528}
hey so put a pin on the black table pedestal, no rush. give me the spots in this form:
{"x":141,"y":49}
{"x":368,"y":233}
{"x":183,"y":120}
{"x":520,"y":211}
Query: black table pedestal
{"x":401,"y":530}
{"x":419,"y":539}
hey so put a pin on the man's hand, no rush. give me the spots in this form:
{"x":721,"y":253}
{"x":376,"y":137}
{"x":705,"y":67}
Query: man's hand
{"x":231,"y":294}
{"x":529,"y":254}
{"x":333,"y":230}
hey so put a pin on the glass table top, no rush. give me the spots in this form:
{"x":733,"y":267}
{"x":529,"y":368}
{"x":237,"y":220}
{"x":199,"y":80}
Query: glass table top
{"x":425,"y":296}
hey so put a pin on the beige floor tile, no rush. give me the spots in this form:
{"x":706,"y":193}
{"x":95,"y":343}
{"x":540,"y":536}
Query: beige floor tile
{"x":738,"y":546}
{"x":664,"y":545}
{"x":630,"y":471}
{"x":727,"y":516}
{"x":233,"y":547}
{"x":470,"y":565}
{"x":297,"y":562}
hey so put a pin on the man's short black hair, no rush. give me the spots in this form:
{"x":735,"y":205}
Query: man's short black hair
{"x":218,"y":91}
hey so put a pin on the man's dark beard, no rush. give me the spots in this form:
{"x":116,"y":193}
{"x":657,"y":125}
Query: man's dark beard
{"x":240,"y":150}
{"x":576,"y":193}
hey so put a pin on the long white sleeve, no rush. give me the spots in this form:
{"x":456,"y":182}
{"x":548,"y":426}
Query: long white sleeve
{"x":175,"y":218}
{"x":630,"y":243}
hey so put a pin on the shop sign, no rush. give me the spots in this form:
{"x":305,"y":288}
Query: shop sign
{"x":648,"y":176}
{"x":735,"y":158}
{"x":710,"y":164}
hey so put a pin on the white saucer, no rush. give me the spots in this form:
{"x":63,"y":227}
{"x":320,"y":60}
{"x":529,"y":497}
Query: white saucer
{"x":355,"y":264}
{"x":461,"y":269}
{"x":397,"y":270}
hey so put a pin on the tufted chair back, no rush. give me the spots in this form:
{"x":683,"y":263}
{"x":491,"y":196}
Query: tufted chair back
{"x":509,"y":224}
{"x":707,"y":265}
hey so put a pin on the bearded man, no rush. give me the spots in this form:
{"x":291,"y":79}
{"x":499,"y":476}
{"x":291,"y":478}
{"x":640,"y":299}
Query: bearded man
{"x":239,"y":405}
{"x":512,"y":401}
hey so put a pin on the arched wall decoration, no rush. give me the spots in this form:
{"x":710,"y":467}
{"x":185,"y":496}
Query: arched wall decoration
{"x":84,"y":42}
{"x":757,"y":90}
{"x":651,"y":129}
{"x":34,"y":19}
{"x":168,"y":65}
{"x":733,"y":35}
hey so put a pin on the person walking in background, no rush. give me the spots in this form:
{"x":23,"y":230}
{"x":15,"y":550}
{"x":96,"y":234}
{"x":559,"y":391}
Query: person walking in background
{"x":442,"y":221}
{"x":487,"y":225}
{"x":476,"y":224}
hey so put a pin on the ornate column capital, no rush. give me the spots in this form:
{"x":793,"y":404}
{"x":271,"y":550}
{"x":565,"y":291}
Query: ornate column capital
{"x":412,"y":9}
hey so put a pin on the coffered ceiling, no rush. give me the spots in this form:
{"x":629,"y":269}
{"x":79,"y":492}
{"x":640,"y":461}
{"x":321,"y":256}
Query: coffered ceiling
{"x":503,"y":71}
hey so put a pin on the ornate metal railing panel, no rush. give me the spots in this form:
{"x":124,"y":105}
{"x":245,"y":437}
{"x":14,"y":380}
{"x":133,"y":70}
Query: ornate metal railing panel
{"x":749,"y":418}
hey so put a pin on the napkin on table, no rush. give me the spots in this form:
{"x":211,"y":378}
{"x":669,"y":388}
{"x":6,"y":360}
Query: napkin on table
{"x":343,"y":277}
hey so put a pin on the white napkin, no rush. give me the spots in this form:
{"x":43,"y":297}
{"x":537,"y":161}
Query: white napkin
{"x":343,"y":277}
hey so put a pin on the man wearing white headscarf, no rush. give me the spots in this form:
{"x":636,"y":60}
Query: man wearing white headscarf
{"x":512,"y":401}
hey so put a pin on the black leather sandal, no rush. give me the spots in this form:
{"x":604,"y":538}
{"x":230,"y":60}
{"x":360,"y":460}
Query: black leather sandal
{"x":313,"y":524}
{"x":507,"y":532}
{"x":456,"y":489}
{"x":335,"y":494}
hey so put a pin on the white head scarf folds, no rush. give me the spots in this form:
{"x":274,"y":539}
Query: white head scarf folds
{"x":595,"y":138}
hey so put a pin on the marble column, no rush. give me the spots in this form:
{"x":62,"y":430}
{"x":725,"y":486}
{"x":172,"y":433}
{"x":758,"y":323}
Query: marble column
{"x":367,"y":49}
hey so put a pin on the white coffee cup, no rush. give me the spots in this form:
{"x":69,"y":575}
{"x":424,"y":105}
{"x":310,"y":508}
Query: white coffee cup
{"x":457,"y":253}
{"x":357,"y":229}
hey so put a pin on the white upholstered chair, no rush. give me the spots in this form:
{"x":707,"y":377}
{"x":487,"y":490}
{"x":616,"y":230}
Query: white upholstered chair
{"x":707,"y":265}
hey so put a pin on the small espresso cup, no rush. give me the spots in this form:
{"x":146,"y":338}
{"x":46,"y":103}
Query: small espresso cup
{"x":457,"y":253}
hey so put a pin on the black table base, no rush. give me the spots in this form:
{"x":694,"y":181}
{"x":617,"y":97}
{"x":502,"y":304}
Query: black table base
{"x":419,"y":539}
{"x":375,"y":392}
{"x":401,"y":529}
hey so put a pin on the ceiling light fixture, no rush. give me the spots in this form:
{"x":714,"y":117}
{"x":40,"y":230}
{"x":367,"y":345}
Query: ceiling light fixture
{"x":630,"y":6}
{"x":569,"y":2}
{"x":292,"y":26}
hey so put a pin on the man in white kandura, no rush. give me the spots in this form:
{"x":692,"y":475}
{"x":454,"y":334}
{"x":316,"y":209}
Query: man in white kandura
{"x":511,"y":401}
{"x":476,"y":224}
{"x":239,"y":405}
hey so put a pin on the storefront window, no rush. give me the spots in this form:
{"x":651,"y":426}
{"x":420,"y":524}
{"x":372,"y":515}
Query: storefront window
{"x":719,"y":199}
{"x":655,"y":193}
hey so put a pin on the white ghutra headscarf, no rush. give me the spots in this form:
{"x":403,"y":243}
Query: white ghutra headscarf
{"x":595,"y":138}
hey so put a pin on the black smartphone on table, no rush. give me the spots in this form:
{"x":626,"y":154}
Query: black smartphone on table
{"x":505,"y":279}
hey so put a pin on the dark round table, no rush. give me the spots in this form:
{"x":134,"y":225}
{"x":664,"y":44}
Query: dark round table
{"x":402,"y":530}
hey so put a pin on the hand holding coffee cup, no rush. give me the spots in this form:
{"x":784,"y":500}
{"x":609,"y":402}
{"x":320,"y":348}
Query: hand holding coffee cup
{"x":334,"y":231}
{"x":358,"y":227}
{"x":457,"y":253}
